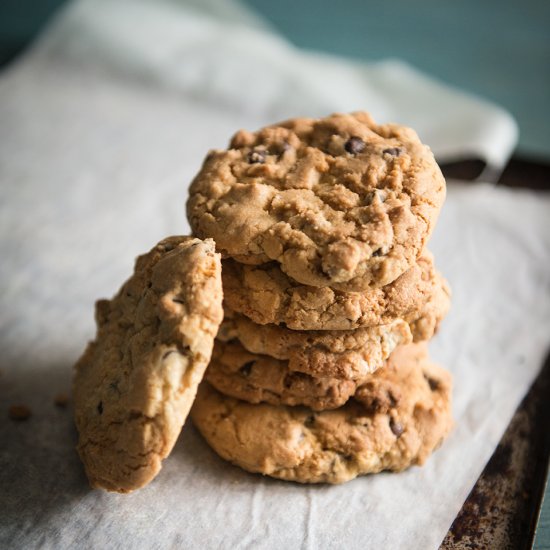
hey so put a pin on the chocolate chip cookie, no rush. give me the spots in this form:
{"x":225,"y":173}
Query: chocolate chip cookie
{"x":236,"y":372}
{"x":340,"y":201}
{"x":135,"y":382}
{"x":323,"y":353}
{"x":267,"y":295}
{"x":259,"y":378}
{"x":400,"y":419}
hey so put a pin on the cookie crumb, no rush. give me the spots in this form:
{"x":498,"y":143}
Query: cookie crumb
{"x":61,"y":400}
{"x":19,"y":412}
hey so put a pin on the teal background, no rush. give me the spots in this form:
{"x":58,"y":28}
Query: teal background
{"x":499,"y":49}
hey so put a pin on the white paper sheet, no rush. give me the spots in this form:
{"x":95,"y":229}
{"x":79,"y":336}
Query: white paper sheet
{"x":94,"y":167}
{"x":220,"y":52}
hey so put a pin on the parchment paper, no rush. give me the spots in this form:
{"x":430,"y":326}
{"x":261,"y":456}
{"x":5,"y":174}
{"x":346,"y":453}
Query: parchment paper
{"x":94,"y":166}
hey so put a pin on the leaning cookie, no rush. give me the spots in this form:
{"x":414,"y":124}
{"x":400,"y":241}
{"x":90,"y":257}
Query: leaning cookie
{"x":297,"y":444}
{"x":339,"y":201}
{"x":135,"y":382}
{"x":323,"y":353}
{"x":265,"y":294}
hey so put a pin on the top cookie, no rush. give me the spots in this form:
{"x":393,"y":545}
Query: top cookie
{"x":339,"y":202}
{"x":135,"y":383}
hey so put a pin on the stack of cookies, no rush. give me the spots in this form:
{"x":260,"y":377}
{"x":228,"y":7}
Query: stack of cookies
{"x":320,"y":370}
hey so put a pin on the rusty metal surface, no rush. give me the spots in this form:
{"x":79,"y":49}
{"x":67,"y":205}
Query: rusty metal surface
{"x":502,"y":510}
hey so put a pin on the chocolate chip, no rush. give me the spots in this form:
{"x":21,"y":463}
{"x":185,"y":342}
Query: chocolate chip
{"x":354,"y":145}
{"x":247,"y":368}
{"x":257,"y":156}
{"x":378,"y":252}
{"x":393,"y":400}
{"x":393,"y":151}
{"x":396,"y":427}
{"x":309,"y":421}
{"x":100,"y":407}
{"x":287,"y":382}
{"x":433,"y":383}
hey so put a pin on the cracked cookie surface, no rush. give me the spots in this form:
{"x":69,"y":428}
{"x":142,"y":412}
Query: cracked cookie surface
{"x":323,"y":353}
{"x":266,"y":295}
{"x":401,"y":415}
{"x":135,"y":383}
{"x":339,"y":201}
